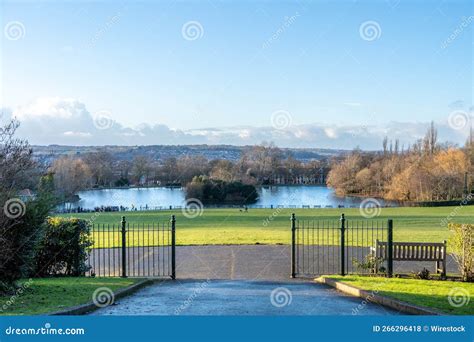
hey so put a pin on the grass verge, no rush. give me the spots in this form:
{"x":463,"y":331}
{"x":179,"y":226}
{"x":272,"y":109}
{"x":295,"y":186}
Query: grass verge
{"x":45,"y":295}
{"x":453,"y":298}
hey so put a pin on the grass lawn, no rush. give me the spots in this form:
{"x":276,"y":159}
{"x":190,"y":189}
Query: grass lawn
{"x":230,"y":226}
{"x":428,"y":293}
{"x":45,"y":295}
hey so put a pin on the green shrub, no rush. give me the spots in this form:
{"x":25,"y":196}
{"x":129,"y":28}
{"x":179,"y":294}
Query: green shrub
{"x":63,"y":247}
{"x":461,"y":245}
{"x":213,"y":191}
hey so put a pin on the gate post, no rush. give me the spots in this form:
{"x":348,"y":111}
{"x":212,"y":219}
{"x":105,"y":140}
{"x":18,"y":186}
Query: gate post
{"x":173,"y":247}
{"x":293,"y":246}
{"x":390,"y":248}
{"x":343,"y":242}
{"x":124,"y":248}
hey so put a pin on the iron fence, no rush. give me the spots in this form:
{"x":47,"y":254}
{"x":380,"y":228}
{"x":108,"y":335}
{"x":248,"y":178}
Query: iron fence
{"x":344,"y":246}
{"x":133,"y":250}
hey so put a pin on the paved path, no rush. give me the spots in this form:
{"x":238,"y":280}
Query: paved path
{"x":251,"y":262}
{"x":221,"y":297}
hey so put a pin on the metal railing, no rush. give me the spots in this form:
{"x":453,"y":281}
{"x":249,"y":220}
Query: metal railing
{"x":343,"y":246}
{"x":133,"y":250}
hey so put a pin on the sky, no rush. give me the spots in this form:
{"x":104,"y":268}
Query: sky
{"x":332,"y":74}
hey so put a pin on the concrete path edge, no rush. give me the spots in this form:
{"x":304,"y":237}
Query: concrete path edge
{"x":392,"y":303}
{"x":83,"y":309}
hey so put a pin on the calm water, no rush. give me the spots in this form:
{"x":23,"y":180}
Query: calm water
{"x":288,"y":196}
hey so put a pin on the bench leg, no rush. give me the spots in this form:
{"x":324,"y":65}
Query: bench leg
{"x":443,"y":274}
{"x":437,"y":267}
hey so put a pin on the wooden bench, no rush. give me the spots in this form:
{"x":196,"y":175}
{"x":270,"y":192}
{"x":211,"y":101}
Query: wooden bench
{"x":415,"y":251}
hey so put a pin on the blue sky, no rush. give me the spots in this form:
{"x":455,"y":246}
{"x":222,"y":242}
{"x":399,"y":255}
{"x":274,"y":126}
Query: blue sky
{"x":251,"y":59}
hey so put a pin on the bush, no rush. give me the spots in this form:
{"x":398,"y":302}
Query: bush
{"x":211,"y":191}
{"x":63,"y":247}
{"x":19,"y":237}
{"x":461,"y":245}
{"x":423,"y":274}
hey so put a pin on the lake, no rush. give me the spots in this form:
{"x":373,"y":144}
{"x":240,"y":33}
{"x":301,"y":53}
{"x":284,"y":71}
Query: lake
{"x":160,"y":197}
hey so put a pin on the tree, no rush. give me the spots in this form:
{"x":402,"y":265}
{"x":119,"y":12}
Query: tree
{"x":141,"y":169}
{"x":20,"y":222}
{"x":71,"y":175}
{"x":101,"y":167}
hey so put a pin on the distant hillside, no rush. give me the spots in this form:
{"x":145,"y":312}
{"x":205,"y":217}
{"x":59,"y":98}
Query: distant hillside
{"x":46,"y":154}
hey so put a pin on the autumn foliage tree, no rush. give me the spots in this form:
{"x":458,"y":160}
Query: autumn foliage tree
{"x":428,"y":171}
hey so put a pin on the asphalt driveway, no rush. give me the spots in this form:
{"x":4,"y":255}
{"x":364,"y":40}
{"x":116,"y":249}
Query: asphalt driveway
{"x":240,"y":297}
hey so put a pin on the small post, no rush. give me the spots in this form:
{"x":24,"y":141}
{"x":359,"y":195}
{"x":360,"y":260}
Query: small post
{"x":466,"y":188}
{"x":293,"y":246}
{"x":343,"y":243}
{"x":173,"y":247}
{"x":124,"y":247}
{"x":390,"y":248}
{"x":445,"y":254}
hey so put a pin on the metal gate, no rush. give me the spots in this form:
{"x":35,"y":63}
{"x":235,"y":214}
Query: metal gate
{"x":343,"y":246}
{"x":133,"y":250}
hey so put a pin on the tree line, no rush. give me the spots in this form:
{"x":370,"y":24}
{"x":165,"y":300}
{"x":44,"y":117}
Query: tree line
{"x":261,"y":165}
{"x":425,"y":171}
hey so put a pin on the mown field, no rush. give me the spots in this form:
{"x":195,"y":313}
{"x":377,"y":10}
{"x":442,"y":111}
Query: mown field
{"x":267,"y":226}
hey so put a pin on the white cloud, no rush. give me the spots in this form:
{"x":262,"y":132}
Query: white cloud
{"x":68,"y":122}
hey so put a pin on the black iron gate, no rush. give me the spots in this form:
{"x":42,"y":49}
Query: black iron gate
{"x":133,"y":250}
{"x":343,"y":246}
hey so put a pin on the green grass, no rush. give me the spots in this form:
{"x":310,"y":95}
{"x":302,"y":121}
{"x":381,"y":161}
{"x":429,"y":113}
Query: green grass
{"x":428,"y":293}
{"x":230,"y":226}
{"x":43,"y":295}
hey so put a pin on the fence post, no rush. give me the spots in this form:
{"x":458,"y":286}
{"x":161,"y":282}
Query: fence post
{"x":343,"y":243}
{"x":173,"y":247}
{"x":293,"y":246}
{"x":390,"y":248}
{"x":124,"y":248}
